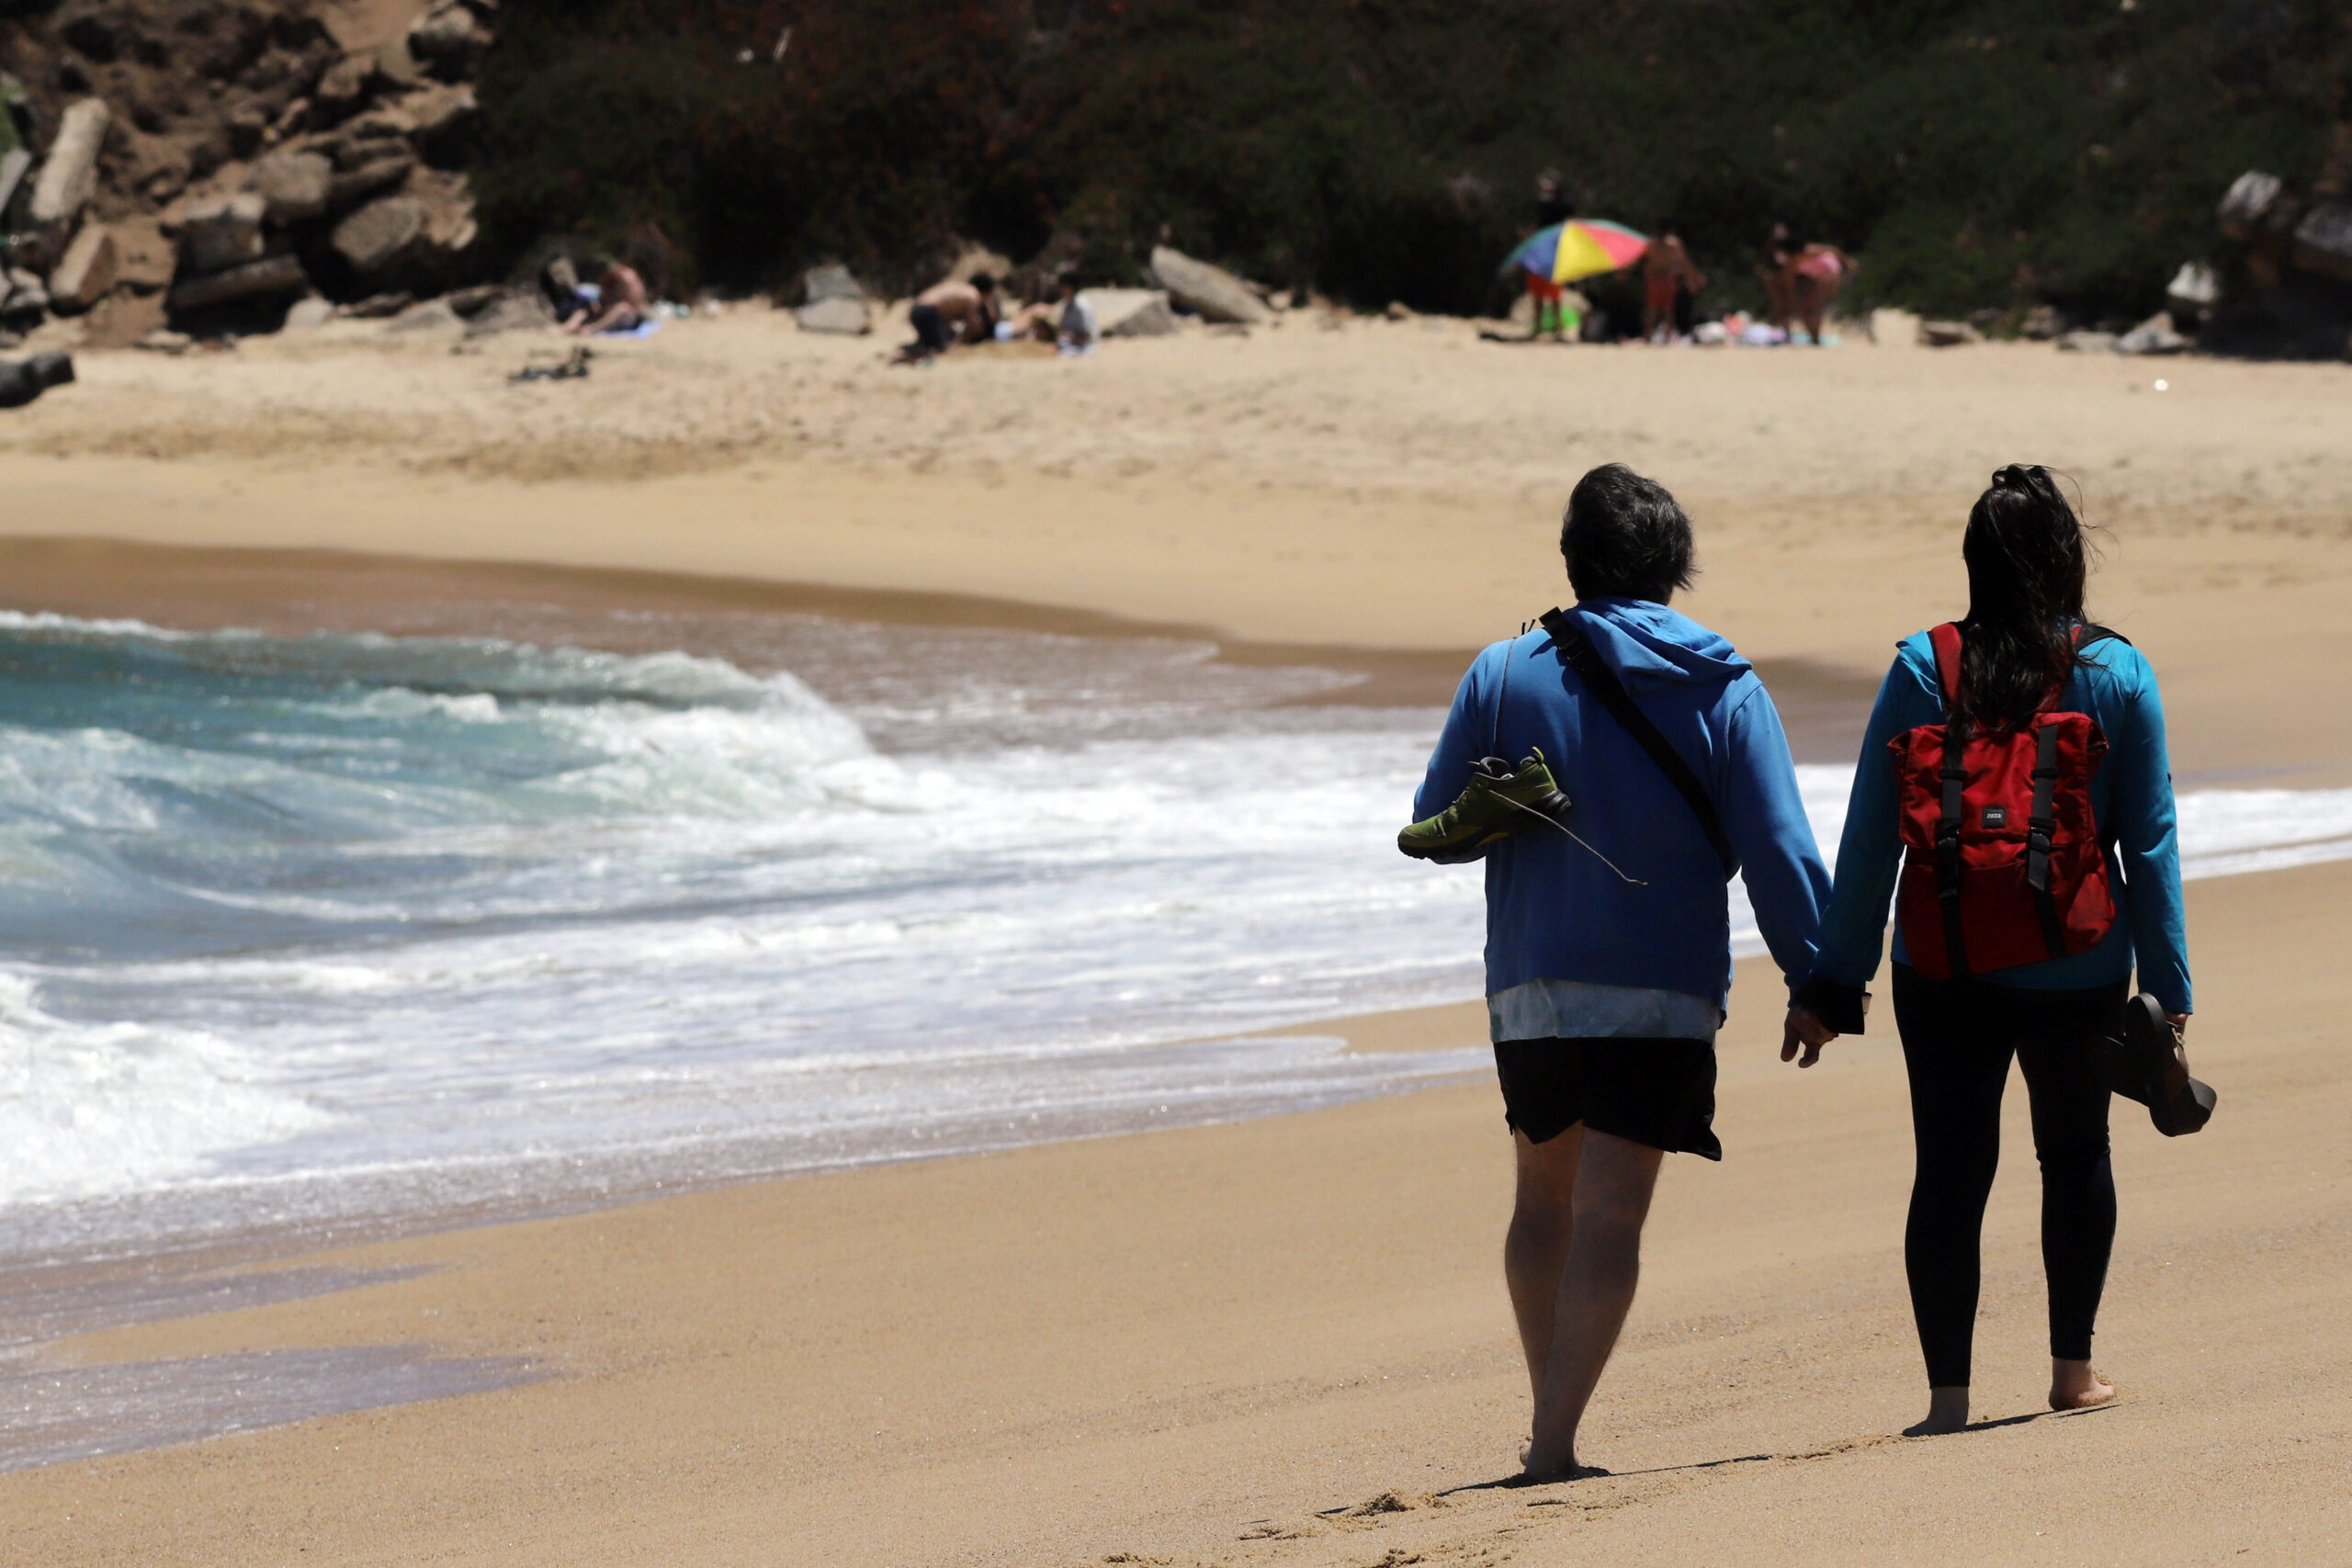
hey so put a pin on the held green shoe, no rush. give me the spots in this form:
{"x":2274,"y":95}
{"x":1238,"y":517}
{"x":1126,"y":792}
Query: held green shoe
{"x":1499,"y":801}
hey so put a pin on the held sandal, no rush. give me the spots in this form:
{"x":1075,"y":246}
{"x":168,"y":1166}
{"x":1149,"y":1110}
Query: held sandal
{"x":2147,"y":1062}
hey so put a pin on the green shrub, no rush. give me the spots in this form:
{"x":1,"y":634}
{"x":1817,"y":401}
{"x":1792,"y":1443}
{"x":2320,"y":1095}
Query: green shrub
{"x":1972,"y":152}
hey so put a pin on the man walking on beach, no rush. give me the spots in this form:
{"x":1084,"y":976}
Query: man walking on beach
{"x":1608,"y":931}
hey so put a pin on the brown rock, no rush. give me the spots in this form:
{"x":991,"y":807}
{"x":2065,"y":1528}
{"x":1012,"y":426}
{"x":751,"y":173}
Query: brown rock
{"x":450,"y":34}
{"x":345,"y":84}
{"x":271,"y":275}
{"x":1213,"y":292}
{"x":71,"y":173}
{"x":293,"y":185}
{"x":87,"y":271}
{"x":350,"y":188}
{"x":398,"y":67}
{"x":380,"y":234}
{"x":515,"y":310}
{"x":147,"y":256}
{"x":220,"y":232}
{"x":440,"y":115}
{"x":2323,"y":239}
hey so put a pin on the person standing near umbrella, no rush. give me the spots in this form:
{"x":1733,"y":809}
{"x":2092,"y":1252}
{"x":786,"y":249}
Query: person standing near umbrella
{"x":1669,"y":278}
{"x":1554,"y":207}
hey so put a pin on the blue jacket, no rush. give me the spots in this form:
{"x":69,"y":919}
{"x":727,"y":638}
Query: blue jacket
{"x":2130,"y":799}
{"x":1553,"y":910}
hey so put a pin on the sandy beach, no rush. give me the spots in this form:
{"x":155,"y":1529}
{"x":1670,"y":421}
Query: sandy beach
{"x":1282,"y":1340}
{"x":1373,"y":485}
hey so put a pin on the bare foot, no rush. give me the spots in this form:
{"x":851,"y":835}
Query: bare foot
{"x":1946,"y":1412}
{"x":2073,"y":1386}
{"x":1541,"y":1469}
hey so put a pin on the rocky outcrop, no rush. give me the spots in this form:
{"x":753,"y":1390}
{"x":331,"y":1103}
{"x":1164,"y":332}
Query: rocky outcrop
{"x":275,"y":161}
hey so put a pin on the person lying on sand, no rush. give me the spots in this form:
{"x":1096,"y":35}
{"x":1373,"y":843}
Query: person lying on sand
{"x":1607,"y":942}
{"x":1991,"y":986}
{"x":948,"y":313}
{"x":620,"y":304}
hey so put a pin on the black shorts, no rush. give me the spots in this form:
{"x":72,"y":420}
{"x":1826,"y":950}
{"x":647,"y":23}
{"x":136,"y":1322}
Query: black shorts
{"x":931,"y":329}
{"x":1657,"y":1092}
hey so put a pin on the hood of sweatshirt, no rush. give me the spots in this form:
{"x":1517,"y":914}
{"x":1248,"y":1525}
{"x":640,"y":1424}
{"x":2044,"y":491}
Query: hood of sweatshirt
{"x":1651,"y":646}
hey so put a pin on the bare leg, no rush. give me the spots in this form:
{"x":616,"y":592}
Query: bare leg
{"x":1611,"y":1200}
{"x":2073,"y":1386}
{"x":1537,"y":1247}
{"x":1946,"y":1412}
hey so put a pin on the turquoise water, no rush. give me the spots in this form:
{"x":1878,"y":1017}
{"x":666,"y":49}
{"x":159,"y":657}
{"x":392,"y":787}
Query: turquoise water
{"x":303,"y":928}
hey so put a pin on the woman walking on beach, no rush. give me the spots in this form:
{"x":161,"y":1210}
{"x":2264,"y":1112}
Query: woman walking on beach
{"x":2029,"y":784}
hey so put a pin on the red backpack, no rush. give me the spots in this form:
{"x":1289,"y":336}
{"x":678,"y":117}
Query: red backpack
{"x":2002,"y":862}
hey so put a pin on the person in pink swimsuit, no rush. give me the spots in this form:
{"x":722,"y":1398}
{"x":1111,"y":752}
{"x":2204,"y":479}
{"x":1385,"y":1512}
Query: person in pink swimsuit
{"x":1816,"y":275}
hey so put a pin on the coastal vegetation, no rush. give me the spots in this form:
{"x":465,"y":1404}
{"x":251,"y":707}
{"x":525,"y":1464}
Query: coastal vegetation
{"x":1972,"y":152}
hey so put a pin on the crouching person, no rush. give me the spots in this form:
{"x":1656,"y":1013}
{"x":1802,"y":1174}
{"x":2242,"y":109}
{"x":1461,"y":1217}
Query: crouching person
{"x":1614,"y":768}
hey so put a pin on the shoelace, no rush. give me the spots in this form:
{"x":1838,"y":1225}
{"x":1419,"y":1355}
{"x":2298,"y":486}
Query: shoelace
{"x":1563,"y":827}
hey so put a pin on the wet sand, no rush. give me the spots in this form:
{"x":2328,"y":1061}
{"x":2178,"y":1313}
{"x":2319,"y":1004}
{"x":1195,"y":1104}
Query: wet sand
{"x":1285,"y":1342}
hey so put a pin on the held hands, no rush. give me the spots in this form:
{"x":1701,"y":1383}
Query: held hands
{"x":1804,"y":1028}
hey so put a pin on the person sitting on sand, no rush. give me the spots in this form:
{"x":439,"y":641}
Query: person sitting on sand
{"x":1075,"y":332}
{"x":620,"y":304}
{"x":2023,"y":654}
{"x":1606,"y":978}
{"x":1668,"y":279}
{"x":1815,"y":275}
{"x":948,"y":313}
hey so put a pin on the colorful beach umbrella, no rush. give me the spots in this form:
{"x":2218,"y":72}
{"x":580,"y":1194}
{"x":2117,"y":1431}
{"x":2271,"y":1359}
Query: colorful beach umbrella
{"x":1582,"y":247}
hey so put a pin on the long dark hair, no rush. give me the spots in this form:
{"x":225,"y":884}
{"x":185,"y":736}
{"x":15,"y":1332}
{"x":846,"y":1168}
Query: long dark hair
{"x":2028,"y":562}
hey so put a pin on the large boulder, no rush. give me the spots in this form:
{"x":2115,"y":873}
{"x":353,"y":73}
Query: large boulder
{"x":849,"y":317}
{"x":2324,"y":240}
{"x":382,"y":235}
{"x":835,"y":302}
{"x":71,"y":173}
{"x":2157,"y":334}
{"x":87,"y":270}
{"x":255,"y":280}
{"x":220,"y":232}
{"x":1130,"y":313}
{"x":293,"y":185}
{"x":1212,"y":292}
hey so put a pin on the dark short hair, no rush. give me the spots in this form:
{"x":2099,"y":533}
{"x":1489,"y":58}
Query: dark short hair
{"x":984,"y":282}
{"x":1625,"y":538}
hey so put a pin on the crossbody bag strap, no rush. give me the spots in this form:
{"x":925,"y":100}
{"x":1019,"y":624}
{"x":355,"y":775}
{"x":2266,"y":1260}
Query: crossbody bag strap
{"x":1579,"y":655}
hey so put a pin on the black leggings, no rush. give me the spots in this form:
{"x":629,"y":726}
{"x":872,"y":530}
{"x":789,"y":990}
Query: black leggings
{"x":1958,"y":1036}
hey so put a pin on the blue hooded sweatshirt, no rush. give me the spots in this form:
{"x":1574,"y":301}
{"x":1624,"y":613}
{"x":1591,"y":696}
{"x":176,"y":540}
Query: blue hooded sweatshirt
{"x":1553,"y":909}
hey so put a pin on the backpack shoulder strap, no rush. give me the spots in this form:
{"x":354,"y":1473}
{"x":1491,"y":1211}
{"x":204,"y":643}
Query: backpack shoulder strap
{"x":1579,"y":655}
{"x":2088,"y":634}
{"x":1946,"y":641}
